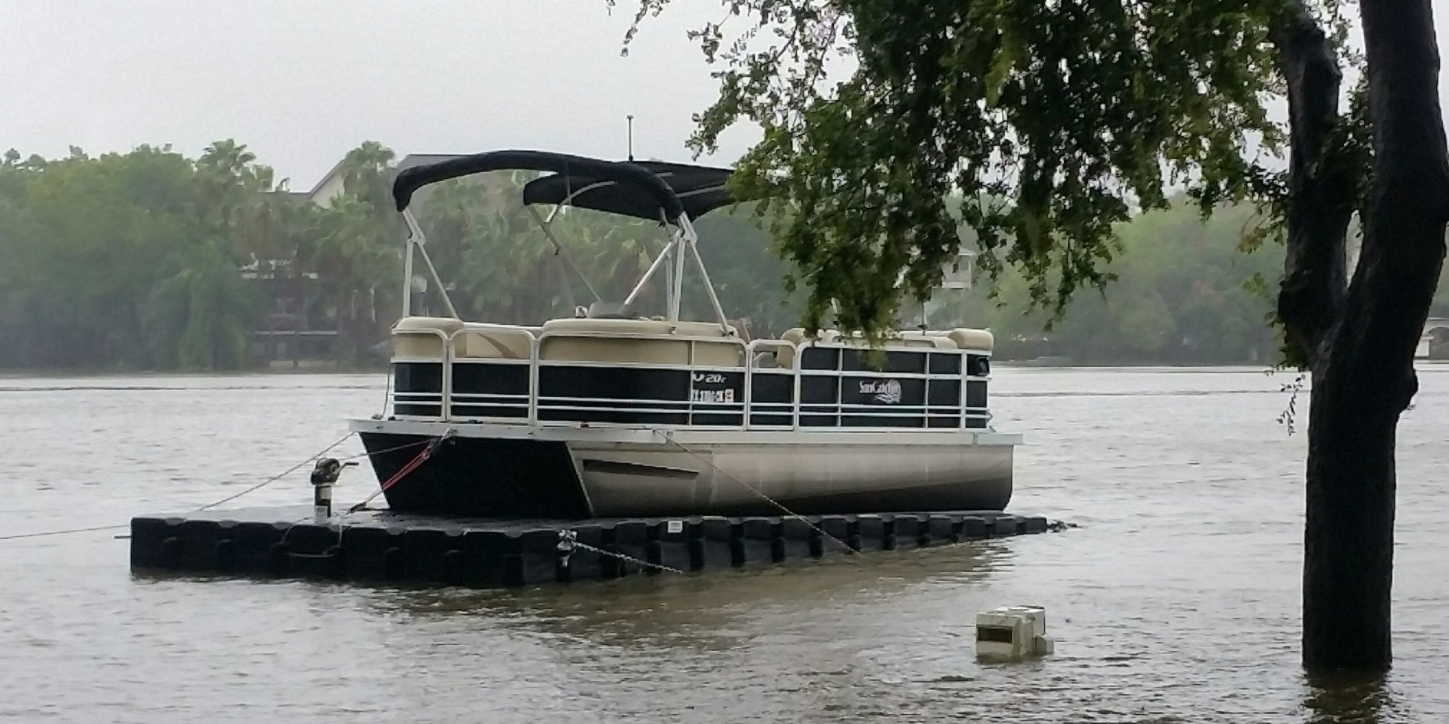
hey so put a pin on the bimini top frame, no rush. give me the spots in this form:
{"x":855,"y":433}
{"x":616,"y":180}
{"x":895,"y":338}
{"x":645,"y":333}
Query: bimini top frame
{"x":700,"y":190}
{"x":671,"y":193}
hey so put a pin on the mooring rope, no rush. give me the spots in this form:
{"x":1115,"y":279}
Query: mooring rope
{"x":208,"y":506}
{"x":42,"y":534}
{"x":404,"y":471}
{"x":756,"y":491}
{"x":384,"y":451}
{"x":278,"y":476}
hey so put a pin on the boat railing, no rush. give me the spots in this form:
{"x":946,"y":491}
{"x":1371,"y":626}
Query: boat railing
{"x":493,"y":373}
{"x":414,"y":367}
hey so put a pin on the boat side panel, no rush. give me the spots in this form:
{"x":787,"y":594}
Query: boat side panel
{"x":624,"y":479}
{"x":479,"y":477}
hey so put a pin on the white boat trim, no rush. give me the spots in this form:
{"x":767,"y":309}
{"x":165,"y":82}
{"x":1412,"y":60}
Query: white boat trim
{"x":663,"y":436}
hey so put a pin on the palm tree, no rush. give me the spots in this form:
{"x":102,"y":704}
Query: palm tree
{"x":219,"y":173}
{"x":367,"y":174}
{"x":356,"y":260}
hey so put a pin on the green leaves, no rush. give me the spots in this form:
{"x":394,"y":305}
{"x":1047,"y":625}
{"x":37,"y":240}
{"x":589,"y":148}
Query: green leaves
{"x":152,"y":260}
{"x":1182,"y":294}
{"x":90,"y":244}
{"x":1008,"y":52}
{"x":1053,"y":122}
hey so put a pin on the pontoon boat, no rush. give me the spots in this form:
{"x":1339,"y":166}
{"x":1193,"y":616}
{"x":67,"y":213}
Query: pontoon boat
{"x":611,"y":414}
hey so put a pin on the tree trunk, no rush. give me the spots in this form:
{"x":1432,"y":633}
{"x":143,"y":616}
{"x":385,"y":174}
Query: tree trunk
{"x":1363,"y":374}
{"x":1349,"y":536}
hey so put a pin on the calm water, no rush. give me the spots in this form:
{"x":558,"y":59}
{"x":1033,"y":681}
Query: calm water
{"x":1175,"y":601}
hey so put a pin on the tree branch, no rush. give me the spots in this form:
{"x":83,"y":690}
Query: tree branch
{"x":1320,"y":190}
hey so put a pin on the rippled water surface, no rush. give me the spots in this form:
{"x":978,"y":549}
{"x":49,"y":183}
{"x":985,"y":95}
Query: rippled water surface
{"x":1175,"y":601}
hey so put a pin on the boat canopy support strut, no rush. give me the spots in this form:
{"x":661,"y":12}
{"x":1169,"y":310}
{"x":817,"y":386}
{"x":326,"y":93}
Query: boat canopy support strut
{"x":415,"y":242}
{"x":560,"y":249}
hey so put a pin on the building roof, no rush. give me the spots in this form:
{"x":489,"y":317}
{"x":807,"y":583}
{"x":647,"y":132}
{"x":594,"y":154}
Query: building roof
{"x":406,"y":162}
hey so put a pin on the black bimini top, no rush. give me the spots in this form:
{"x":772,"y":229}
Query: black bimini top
{"x":700,"y":190}
{"x":644,"y":189}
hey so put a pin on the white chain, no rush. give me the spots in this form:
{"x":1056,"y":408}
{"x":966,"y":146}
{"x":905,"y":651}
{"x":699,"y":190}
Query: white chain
{"x":568,"y":540}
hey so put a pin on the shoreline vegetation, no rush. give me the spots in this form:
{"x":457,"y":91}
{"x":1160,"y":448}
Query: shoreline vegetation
{"x":149,"y":261}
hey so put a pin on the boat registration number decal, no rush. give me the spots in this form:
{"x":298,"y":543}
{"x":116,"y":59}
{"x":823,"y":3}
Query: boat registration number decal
{"x":712,"y":395}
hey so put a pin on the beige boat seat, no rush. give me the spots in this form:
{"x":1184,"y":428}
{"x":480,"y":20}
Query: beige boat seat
{"x":703,"y":329}
{"x":916,"y":339}
{"x":479,"y":341}
{"x":939,"y":340}
{"x":904,"y":338}
{"x":976,"y":340}
{"x":774,"y":354}
{"x":795,"y":336}
{"x":909,"y":338}
{"x":643,"y":341}
{"x":422,"y":337}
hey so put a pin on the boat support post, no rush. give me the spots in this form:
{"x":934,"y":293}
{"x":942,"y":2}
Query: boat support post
{"x":677,"y":290}
{"x":692,"y":241}
{"x":414,"y":234}
{"x":416,"y":240}
{"x":547,"y":226}
{"x":649,"y":274}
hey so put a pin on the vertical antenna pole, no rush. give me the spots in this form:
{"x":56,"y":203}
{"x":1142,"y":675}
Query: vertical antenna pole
{"x":630,"y":118}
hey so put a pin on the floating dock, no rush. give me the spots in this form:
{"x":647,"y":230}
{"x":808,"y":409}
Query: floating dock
{"x":382,"y":546}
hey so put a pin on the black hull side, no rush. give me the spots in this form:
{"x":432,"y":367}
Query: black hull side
{"x":474,"y":477}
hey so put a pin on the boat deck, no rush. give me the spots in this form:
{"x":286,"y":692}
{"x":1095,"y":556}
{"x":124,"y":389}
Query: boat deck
{"x":477,"y":552}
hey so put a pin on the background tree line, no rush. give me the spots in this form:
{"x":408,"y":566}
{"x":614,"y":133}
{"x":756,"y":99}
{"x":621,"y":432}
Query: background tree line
{"x":151,"y":260}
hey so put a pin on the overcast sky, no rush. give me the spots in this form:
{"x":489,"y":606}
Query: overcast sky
{"x":302,"y":81}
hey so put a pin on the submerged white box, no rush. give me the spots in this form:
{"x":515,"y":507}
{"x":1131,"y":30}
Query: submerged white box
{"x":1012,"y":632}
